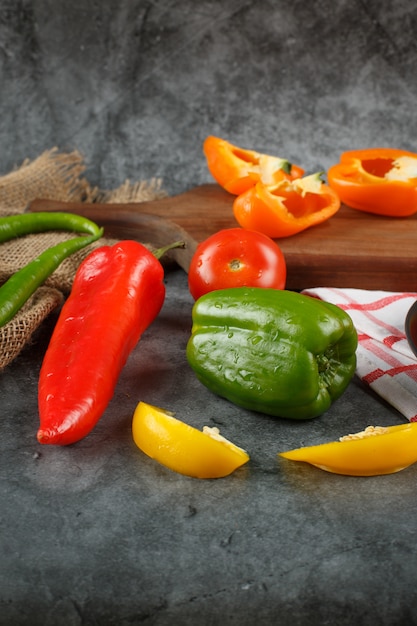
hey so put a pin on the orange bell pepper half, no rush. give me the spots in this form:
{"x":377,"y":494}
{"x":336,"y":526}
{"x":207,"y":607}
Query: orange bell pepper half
{"x":237,"y":169}
{"x":377,"y":180}
{"x":286,"y":208}
{"x":374,"y":451}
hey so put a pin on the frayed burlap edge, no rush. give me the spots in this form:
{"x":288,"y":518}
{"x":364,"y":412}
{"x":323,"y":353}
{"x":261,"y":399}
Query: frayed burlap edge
{"x":57,"y":176}
{"x":132,"y":192}
{"x":15,"y":335}
{"x":53,"y":175}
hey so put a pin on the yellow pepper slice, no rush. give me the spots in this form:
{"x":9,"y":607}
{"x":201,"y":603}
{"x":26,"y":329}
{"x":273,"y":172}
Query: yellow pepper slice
{"x":376,"y":450}
{"x":182,"y":448}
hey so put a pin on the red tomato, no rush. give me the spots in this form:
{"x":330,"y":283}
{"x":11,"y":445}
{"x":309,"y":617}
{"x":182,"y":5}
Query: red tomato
{"x":236,"y":257}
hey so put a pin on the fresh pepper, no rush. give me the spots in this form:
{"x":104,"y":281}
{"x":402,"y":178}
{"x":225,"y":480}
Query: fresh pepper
{"x":276,"y":352}
{"x":13,"y":226}
{"x":182,"y":448}
{"x":374,"y":451}
{"x":377,"y":180}
{"x":21,"y":285}
{"x":117,"y":293}
{"x":237,"y":169}
{"x":286,"y":208}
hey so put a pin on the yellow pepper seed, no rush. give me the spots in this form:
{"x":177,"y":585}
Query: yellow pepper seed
{"x":370,"y":431}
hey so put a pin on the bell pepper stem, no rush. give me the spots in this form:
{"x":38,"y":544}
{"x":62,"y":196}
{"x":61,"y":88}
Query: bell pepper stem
{"x":159,"y":253}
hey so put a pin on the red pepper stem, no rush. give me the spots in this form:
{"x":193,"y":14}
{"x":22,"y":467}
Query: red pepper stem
{"x":161,"y":251}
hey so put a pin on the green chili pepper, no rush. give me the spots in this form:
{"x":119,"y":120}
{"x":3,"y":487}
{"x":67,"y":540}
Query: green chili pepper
{"x":277,"y":352}
{"x":28,"y":223}
{"x":21,"y":285}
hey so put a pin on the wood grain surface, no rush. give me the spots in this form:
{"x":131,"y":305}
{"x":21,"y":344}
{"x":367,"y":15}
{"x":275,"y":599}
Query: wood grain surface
{"x":352,"y":249}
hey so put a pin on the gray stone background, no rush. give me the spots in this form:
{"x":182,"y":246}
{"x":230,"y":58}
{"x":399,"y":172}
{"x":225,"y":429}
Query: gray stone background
{"x":137,"y":85}
{"x":97,"y":534}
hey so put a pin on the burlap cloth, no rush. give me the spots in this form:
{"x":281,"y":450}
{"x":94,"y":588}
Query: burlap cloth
{"x":57,"y":176}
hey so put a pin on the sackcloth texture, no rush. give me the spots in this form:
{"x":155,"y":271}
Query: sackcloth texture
{"x":54,"y":175}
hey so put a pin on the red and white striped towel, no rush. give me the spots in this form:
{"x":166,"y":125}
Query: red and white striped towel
{"x":384,"y":359}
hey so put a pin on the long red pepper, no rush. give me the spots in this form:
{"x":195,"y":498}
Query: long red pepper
{"x":117,"y":293}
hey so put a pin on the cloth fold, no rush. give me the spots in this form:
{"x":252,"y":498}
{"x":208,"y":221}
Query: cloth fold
{"x":384,"y":358}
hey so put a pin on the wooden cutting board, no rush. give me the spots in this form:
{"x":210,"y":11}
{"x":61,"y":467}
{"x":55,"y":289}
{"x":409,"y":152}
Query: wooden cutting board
{"x":352,"y":249}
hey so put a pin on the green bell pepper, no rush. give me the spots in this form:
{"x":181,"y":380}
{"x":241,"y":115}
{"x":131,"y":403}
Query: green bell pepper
{"x":276,"y":352}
